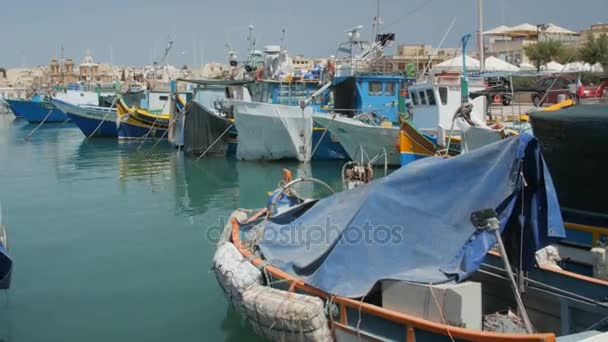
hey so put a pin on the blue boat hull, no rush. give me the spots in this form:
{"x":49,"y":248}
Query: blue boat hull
{"x":127,"y":130}
{"x":89,"y":125}
{"x":327,"y":147}
{"x":35,"y":112}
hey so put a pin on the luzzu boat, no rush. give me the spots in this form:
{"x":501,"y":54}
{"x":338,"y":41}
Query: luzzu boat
{"x":135,"y":122}
{"x":92,"y":120}
{"x":36,"y":110}
{"x":41,"y":109}
{"x":431,"y":275}
{"x":139,"y":123}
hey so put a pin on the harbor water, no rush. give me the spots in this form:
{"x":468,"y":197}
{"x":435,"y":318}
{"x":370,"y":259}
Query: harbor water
{"x":114,"y":242}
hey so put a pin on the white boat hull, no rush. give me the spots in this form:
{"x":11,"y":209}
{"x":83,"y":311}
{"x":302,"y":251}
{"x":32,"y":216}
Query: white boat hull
{"x":272,"y":132}
{"x":356,"y":136}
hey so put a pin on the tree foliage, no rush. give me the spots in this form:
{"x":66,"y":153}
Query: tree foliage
{"x":544,"y":52}
{"x":595,"y":50}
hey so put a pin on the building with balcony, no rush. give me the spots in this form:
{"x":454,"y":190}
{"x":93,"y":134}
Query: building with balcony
{"x":508,"y":43}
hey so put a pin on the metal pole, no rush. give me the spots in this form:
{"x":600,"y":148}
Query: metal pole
{"x":480,"y":35}
{"x":492,"y":225}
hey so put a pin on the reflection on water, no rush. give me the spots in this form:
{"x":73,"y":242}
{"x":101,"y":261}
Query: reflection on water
{"x":110,"y":239}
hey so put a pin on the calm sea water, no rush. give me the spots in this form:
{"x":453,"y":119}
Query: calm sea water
{"x":111,"y":243}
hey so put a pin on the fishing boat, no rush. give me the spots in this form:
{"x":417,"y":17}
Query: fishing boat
{"x":92,"y":120}
{"x":208,"y":118}
{"x":272,"y":132}
{"x":309,"y":89}
{"x":367,"y":98}
{"x":6,"y":263}
{"x":294,"y":275}
{"x":137,"y":123}
{"x":41,"y":109}
{"x":35,"y":111}
{"x":574,"y":136}
{"x":363,"y":140}
{"x":277,"y":123}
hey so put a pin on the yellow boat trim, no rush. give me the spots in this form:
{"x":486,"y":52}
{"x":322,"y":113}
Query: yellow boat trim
{"x":412,"y":141}
{"x":558,"y":106}
{"x":596,"y":232}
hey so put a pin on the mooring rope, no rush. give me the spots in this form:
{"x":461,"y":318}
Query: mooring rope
{"x":102,"y":120}
{"x":27,"y":137}
{"x":215,"y":142}
{"x":441,"y":313}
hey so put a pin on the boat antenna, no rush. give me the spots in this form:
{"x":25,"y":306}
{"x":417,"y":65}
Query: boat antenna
{"x":252,"y":42}
{"x":376,"y":22}
{"x":282,"y":39}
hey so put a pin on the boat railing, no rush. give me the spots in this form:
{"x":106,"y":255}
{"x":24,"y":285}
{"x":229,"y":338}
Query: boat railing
{"x":352,"y":67}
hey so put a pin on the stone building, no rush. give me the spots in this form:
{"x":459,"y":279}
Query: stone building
{"x":508,"y":43}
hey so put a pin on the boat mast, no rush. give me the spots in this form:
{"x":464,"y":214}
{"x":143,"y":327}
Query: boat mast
{"x":376,"y":23}
{"x":480,"y":35}
{"x":62,"y":66}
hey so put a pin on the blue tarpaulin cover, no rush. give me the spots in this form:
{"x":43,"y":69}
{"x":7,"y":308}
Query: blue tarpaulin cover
{"x":414,"y":225}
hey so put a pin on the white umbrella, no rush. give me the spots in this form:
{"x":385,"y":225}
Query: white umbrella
{"x":497,"y":64}
{"x":552,"y":66}
{"x":526,"y":66}
{"x":554,"y":29}
{"x":597,"y":67}
{"x":577,"y":67}
{"x":455,"y":64}
{"x":497,"y":30}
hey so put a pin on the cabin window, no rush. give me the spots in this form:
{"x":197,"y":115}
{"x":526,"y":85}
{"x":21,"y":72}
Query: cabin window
{"x":389,"y":89}
{"x":415,"y":98}
{"x":443,"y":95}
{"x":430,"y":96}
{"x":375,"y":88}
{"x":163,"y":98}
{"x":422,"y":98}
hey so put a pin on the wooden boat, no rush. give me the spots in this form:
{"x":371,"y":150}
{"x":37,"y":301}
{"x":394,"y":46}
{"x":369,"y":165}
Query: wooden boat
{"x":36,"y":111}
{"x":142,"y":116}
{"x":92,"y":120}
{"x":429,"y":285}
{"x":138,"y":123}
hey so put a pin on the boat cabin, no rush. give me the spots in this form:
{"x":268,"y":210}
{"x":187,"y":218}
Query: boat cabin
{"x":369,"y":93}
{"x":155,"y":102}
{"x":212,"y":94}
{"x":289,"y":92}
{"x":434,"y":103}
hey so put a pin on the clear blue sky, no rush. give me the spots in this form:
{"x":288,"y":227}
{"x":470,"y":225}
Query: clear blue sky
{"x":33,"y":30}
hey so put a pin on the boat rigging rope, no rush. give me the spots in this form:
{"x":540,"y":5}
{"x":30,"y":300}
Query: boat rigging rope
{"x":27,"y":137}
{"x":216,"y":141}
{"x":145,"y":136}
{"x":554,"y":81}
{"x":314,"y":150}
{"x":102,"y":120}
{"x":441,"y":313}
{"x":521,"y":234}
